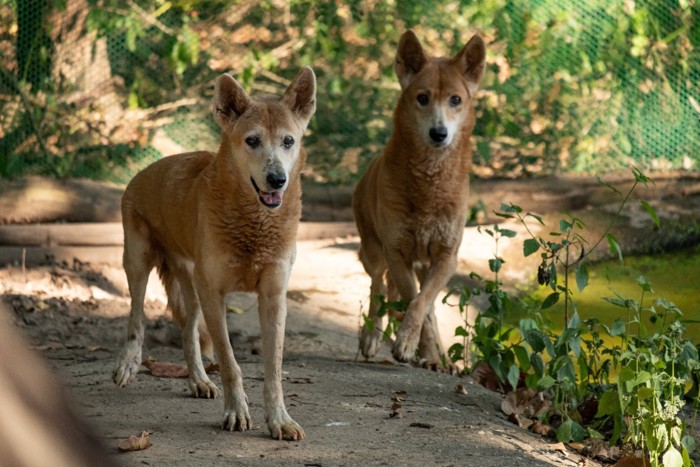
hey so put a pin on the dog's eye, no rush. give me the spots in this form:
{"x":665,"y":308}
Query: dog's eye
{"x":252,"y":141}
{"x":455,"y":101}
{"x":423,"y":99}
{"x":288,"y":142}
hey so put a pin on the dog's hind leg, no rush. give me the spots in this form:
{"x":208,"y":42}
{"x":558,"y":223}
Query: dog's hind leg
{"x":371,"y":334}
{"x":139,"y":259}
{"x":199,"y":382}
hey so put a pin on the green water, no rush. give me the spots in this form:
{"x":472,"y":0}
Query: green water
{"x":673,"y":276}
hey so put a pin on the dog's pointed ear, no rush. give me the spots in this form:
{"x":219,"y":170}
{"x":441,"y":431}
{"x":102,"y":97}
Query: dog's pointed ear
{"x":300,"y":96}
{"x":230,"y":100}
{"x":471,"y":61}
{"x":409,"y":58}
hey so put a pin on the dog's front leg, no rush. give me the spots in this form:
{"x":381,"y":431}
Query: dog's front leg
{"x":272,"y":311}
{"x":436,"y":278}
{"x":236,"y":416}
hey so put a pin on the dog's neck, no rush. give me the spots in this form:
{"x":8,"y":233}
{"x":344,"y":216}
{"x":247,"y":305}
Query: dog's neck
{"x":239,"y":203}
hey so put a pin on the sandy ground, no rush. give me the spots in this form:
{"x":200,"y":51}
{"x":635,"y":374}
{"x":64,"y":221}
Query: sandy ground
{"x":75,"y":315}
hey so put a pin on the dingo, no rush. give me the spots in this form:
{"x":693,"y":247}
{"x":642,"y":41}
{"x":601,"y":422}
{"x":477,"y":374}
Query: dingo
{"x":411,"y":205}
{"x":218,"y":223}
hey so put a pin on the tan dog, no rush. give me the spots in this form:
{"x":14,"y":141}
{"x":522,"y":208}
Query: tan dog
{"x":218,"y":223}
{"x":411,"y":205}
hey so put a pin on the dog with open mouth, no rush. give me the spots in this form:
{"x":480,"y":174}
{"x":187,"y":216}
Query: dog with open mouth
{"x":212,"y":224}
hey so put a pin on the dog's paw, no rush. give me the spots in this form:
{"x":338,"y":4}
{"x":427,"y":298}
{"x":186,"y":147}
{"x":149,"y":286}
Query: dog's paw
{"x":369,"y":342}
{"x":405,"y":346}
{"x":285,"y":428}
{"x":237,"y":420}
{"x":432,"y":365}
{"x":203,"y":388}
{"x":128,"y":364}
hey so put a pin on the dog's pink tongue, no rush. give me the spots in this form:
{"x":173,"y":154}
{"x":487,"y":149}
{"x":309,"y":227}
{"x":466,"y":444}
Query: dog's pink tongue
{"x":272,"y":198}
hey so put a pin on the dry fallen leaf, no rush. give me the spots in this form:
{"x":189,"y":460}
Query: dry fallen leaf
{"x":135,"y":443}
{"x":631,"y":461}
{"x":173,"y":370}
{"x":541,"y":429}
{"x":166,"y":369}
{"x":427,"y":426}
{"x":459,"y":389}
{"x":560,"y":447}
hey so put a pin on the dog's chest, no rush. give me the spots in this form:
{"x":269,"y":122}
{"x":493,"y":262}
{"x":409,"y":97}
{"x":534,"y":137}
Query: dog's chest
{"x":424,"y":240}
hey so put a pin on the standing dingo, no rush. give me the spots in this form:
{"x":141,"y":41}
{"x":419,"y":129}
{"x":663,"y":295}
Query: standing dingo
{"x":411,"y":205}
{"x":218,"y":223}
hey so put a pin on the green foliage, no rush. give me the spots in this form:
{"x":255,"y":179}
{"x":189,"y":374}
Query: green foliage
{"x":637,"y":370}
{"x":571,"y":85}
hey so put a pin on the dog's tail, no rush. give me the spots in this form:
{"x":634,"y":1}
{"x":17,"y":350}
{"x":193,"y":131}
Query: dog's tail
{"x":176,"y":303}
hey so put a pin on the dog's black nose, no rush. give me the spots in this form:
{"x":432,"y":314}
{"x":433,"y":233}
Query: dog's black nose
{"x":438,"y":134}
{"x":276,"y":180}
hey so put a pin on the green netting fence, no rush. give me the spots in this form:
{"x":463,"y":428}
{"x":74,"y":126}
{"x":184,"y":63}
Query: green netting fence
{"x":100,"y":88}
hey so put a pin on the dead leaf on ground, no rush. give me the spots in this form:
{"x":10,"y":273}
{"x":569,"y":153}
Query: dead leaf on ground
{"x":303,"y":380}
{"x":541,"y":429}
{"x":135,"y":443}
{"x":173,"y":370}
{"x":399,"y":396}
{"x":396,"y":411}
{"x":459,"y":389}
{"x":526,"y":402}
{"x":427,"y":426}
{"x":558,"y":447}
{"x":484,"y":375}
{"x":631,"y":461}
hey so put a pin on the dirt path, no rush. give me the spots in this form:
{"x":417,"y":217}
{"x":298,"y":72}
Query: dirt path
{"x":76,"y":316}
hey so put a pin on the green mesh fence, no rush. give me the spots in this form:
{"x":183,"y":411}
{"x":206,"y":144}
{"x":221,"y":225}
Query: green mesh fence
{"x":100,"y":88}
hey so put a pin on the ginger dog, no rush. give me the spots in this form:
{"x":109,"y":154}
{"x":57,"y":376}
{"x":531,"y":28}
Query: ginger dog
{"x":411,"y":205}
{"x":217,"y":223}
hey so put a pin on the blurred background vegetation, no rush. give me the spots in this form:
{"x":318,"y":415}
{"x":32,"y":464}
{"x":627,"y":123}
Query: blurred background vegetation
{"x":100,"y":88}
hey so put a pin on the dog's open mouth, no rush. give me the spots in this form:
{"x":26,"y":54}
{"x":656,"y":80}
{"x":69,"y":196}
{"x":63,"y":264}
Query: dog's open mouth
{"x":271,"y":199}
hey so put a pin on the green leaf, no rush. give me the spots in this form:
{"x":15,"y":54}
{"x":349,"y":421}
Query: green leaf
{"x":536,"y":217}
{"x":522,"y":356}
{"x":550,"y":300}
{"x":511,"y":208}
{"x":565,"y":226}
{"x":545,"y":383}
{"x":564,"y":431}
{"x":495,"y":264}
{"x":607,"y":185}
{"x":652,"y":213}
{"x":614,"y":246}
{"x":530,"y":246}
{"x":608,"y":404}
{"x":514,"y":376}
{"x":581,"y":276}
{"x":460,"y":331}
{"x":508,"y":233}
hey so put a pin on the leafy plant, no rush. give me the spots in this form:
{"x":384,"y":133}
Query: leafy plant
{"x":638,"y":380}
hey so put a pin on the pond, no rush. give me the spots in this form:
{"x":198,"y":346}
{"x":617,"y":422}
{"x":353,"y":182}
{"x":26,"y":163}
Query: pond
{"x":673,"y":276}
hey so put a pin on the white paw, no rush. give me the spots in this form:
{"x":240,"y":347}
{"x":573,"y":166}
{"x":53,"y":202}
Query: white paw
{"x":203,"y":388}
{"x":370,"y":341}
{"x":406,"y":344}
{"x":128,"y":364}
{"x":237,"y":419}
{"x":282,"y":427}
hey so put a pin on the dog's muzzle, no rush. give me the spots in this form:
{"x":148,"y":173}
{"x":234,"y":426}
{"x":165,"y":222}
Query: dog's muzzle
{"x":271,"y":199}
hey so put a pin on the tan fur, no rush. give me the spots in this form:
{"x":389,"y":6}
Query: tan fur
{"x":202,"y":220}
{"x":411,"y":205}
